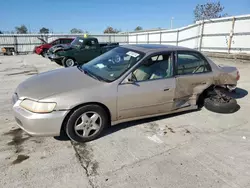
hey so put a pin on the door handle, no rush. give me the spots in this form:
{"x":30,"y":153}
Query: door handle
{"x":166,"y":89}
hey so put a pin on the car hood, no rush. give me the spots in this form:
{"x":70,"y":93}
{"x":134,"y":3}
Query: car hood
{"x":41,"y":39}
{"x":55,"y":82}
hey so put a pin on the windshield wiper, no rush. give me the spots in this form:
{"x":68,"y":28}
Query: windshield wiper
{"x":88,"y":73}
{"x":94,"y":76}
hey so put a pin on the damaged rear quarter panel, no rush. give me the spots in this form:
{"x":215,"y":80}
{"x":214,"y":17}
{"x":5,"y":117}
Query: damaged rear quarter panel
{"x":223,"y":74}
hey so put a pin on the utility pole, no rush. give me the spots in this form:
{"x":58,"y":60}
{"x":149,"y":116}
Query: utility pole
{"x":172,"y":22}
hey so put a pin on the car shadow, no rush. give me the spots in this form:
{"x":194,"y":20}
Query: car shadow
{"x":237,"y":94}
{"x":120,"y":126}
{"x":63,"y":136}
{"x":112,"y":129}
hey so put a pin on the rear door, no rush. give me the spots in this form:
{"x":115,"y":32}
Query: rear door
{"x":193,"y":75}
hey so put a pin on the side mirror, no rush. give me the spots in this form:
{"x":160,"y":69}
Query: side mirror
{"x":130,"y":79}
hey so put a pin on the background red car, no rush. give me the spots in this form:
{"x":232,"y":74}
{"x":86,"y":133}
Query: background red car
{"x":42,"y":49}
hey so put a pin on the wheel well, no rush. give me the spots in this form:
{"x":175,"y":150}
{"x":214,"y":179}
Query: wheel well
{"x":84,"y":104}
{"x":203,"y":95}
{"x":69,"y":57}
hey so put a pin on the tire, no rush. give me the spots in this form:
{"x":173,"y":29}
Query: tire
{"x":215,"y":104}
{"x":68,"y":62}
{"x":83,"y":131}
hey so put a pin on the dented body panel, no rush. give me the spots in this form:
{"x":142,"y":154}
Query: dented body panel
{"x":189,"y":87}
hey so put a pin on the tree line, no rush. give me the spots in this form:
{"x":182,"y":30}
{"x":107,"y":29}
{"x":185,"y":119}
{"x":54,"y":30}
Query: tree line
{"x":201,"y":12}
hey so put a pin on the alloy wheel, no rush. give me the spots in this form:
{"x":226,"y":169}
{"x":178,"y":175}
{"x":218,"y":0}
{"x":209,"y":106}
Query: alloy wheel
{"x":88,"y":124}
{"x":70,"y":63}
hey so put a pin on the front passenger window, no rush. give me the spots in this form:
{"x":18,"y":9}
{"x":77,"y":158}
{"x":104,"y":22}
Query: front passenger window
{"x":156,"y":67}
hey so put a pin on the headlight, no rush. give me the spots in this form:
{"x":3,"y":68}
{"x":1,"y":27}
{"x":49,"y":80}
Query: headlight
{"x":38,"y":107}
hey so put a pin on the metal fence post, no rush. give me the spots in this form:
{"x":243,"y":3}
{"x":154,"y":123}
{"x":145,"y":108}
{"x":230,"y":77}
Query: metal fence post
{"x":177,"y":37}
{"x":15,"y":44}
{"x":148,"y":38}
{"x":160,"y":37}
{"x":136,"y":38}
{"x":231,"y":35}
{"x":127,"y":38}
{"x":201,"y":35}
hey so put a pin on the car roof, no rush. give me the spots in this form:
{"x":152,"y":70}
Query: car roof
{"x":63,"y":38}
{"x":80,"y":37}
{"x":152,"y":48}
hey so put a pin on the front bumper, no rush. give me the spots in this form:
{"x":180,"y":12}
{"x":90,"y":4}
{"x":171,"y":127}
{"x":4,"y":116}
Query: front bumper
{"x":51,"y":56}
{"x":35,"y":124}
{"x":38,"y":50}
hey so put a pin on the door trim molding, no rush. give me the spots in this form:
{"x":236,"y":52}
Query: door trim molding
{"x":155,"y":115}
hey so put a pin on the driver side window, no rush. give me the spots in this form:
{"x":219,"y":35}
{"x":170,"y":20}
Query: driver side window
{"x":156,"y":67}
{"x":191,"y":63}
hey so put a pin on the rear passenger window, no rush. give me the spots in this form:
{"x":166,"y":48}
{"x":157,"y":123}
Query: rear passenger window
{"x":191,"y":63}
{"x":56,"y":42}
{"x":63,"y":41}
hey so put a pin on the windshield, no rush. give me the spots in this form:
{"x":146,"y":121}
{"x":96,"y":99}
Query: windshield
{"x":112,"y":64}
{"x":77,"y":42}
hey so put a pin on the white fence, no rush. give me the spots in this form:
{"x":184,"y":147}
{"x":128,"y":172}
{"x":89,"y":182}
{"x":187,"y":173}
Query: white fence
{"x":23,"y":43}
{"x":229,"y":34}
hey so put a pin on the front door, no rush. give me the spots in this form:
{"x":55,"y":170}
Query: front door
{"x":193,"y":75}
{"x":152,"y":91}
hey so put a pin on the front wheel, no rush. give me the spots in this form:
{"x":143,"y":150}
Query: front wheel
{"x":86,"y":123}
{"x":68,"y":62}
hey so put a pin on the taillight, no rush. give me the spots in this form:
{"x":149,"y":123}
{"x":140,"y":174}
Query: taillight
{"x":238,"y":76}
